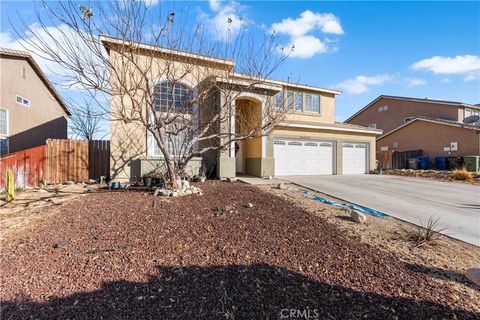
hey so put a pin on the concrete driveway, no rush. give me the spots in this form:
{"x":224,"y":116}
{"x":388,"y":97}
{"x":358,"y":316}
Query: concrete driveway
{"x":457,"y":205}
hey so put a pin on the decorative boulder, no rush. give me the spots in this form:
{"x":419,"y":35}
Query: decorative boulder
{"x":473,"y":275}
{"x":358,"y":217}
{"x":281,"y":186}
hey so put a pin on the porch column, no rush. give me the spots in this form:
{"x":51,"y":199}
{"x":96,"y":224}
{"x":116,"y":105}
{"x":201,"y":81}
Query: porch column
{"x":226,"y":156}
{"x":267,"y":162}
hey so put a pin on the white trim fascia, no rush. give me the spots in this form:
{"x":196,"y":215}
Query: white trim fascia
{"x":290,"y":84}
{"x":311,"y":126}
{"x":107,"y":38}
{"x":247,"y":84}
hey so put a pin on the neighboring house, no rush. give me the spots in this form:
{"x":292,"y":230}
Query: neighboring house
{"x":435,"y":126}
{"x":308,"y":142}
{"x":31,"y":111}
{"x":435,"y":137}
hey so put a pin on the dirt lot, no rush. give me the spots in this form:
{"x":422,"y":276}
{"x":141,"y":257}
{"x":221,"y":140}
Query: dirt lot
{"x":32,"y":205}
{"x":130,"y":255}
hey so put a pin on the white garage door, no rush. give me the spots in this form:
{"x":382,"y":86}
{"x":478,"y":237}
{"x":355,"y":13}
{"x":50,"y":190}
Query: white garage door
{"x":354,"y":158}
{"x":296,"y":157}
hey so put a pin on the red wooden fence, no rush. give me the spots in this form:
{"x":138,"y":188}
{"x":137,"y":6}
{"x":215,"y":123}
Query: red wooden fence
{"x":58,"y":161}
{"x":28,"y":166}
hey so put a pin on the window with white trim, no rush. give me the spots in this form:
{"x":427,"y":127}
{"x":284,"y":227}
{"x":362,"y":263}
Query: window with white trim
{"x":372,"y":125}
{"x":3,"y":122}
{"x":312,"y":103}
{"x":471,"y":112}
{"x":21,"y":100}
{"x":298,"y":102}
{"x":173,"y":97}
{"x":278,"y":100}
{"x":177,"y":143}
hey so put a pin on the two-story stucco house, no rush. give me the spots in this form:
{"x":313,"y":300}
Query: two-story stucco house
{"x":308,"y":142}
{"x":31,"y":111}
{"x":436,"y":127}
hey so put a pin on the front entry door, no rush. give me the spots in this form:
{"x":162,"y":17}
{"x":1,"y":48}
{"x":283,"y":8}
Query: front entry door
{"x":239,"y":157}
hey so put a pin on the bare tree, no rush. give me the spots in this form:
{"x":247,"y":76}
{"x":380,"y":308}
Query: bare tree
{"x":185,"y":104}
{"x":85,"y":122}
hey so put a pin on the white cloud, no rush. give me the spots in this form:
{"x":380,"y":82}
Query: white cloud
{"x":307,"y":45}
{"x":470,"y":77}
{"x":446,"y":80}
{"x":309,"y":21}
{"x":226,"y":20}
{"x":466,"y":65}
{"x":413,"y":82}
{"x":61,"y":40}
{"x":361,"y":84}
{"x":214,"y":5}
{"x":150,"y":3}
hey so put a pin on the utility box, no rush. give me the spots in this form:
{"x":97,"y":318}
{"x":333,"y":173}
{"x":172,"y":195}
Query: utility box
{"x":472,"y":163}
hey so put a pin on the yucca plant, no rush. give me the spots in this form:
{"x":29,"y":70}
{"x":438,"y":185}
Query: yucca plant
{"x":428,"y":234}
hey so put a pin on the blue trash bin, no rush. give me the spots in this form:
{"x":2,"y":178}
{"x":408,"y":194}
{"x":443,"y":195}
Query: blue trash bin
{"x":441,"y":163}
{"x":422,"y":162}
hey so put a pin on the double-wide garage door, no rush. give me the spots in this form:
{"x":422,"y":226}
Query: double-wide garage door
{"x":296,"y":157}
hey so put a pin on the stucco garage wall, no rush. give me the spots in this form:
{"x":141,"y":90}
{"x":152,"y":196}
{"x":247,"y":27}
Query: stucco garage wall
{"x":338,"y":137}
{"x":432,"y":138}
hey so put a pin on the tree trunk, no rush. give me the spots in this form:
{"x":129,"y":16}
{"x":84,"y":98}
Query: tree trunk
{"x":172,"y":174}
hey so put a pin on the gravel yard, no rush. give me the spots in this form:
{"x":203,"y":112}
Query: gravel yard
{"x":130,"y":255}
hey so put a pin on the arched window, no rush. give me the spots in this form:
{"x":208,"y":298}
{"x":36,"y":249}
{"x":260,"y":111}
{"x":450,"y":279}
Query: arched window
{"x":173,"y":97}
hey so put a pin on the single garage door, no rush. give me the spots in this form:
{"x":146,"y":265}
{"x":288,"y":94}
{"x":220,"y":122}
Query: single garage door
{"x":354,"y":158}
{"x":297,"y":157}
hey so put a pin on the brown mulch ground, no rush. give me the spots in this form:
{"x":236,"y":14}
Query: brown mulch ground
{"x":431,"y":174}
{"x":130,"y":255}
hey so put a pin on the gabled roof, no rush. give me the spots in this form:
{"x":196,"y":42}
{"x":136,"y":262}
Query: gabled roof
{"x":41,"y":75}
{"x":108,"y":41}
{"x":425,"y":100}
{"x":438,"y":121}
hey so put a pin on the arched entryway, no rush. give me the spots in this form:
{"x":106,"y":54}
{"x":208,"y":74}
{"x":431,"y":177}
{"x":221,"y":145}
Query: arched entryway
{"x":248,"y":120}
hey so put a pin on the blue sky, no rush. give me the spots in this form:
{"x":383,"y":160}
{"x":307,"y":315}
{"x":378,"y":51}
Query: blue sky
{"x":418,"y":49}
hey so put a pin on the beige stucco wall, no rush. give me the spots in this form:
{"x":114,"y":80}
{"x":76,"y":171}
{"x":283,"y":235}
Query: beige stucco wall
{"x":129,"y":140}
{"x":337,"y":137}
{"x":432,"y":138}
{"x":44,"y":118}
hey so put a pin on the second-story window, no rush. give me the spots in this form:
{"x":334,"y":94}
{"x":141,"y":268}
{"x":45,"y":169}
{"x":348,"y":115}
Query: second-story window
{"x":21,"y":100}
{"x":278,"y":100}
{"x":471,"y":112}
{"x":312,"y":103}
{"x":173,"y":97}
{"x":298,"y":102}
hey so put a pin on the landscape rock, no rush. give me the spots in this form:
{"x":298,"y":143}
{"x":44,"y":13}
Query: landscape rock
{"x":174,"y":194}
{"x":358,"y":217}
{"x":185,"y":185}
{"x":68,"y":182}
{"x":92,"y":181}
{"x":281,"y":186}
{"x":42,"y":191}
{"x":249,"y":205}
{"x":232,"y":179}
{"x":188,"y":192}
{"x":61,"y":244}
{"x":473,"y":275}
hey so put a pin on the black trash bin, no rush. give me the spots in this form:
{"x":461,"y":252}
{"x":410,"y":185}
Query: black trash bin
{"x":454,"y":163}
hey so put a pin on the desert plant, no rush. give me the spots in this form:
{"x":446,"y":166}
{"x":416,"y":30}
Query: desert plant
{"x":10,"y":186}
{"x":41,"y":183}
{"x":462,"y":174}
{"x":428,"y":234}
